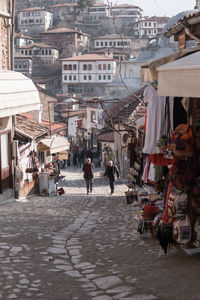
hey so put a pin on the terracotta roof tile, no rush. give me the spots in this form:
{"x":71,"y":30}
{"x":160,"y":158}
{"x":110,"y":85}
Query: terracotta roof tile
{"x":29,"y":128}
{"x":73,"y":113}
{"x":64,"y":5}
{"x":54,"y":126}
{"x":40,"y":45}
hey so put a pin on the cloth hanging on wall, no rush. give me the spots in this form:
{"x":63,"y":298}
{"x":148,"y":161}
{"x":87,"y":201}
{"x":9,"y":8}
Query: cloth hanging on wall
{"x":156,"y":119}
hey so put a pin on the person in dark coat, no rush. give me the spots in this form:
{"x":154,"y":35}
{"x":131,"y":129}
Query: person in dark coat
{"x":88,"y":175}
{"x":110,"y":173}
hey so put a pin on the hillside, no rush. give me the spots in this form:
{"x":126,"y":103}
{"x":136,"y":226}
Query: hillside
{"x":20,"y":4}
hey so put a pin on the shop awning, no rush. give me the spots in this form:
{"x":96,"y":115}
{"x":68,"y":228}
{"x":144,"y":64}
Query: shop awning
{"x":150,"y":71}
{"x":18,"y":94}
{"x":56,"y":144}
{"x":181,"y":77}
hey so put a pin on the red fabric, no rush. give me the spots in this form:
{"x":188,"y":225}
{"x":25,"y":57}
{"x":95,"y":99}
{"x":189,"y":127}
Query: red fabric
{"x":160,"y":160}
{"x":88,"y":170}
{"x":145,"y":122}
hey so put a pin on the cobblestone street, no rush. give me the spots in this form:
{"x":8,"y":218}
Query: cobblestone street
{"x":83,"y":247}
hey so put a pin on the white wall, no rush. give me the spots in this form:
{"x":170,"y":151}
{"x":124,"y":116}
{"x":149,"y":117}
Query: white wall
{"x":72,"y":125}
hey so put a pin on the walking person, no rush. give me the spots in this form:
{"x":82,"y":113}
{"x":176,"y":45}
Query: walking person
{"x":88,"y":175}
{"x":111,"y":171}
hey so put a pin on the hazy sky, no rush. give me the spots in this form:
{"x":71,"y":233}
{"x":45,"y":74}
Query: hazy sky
{"x":160,"y":7}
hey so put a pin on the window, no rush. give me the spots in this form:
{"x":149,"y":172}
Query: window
{"x":85,"y":77}
{"x":99,"y":67}
{"x":42,"y":52}
{"x":30,"y":52}
{"x":145,"y":24}
{"x":31,"y":21}
{"x":40,"y":20}
{"x":65,"y":67}
{"x":32,"y":13}
{"x":104,"y":77}
{"x":149,"y":31}
{"x":106,"y":44}
{"x":70,"y":67}
{"x":101,"y":43}
{"x":70,"y":77}
{"x":154,"y":24}
{"x":109,"y":77}
{"x":26,"y":52}
{"x":49,"y":52}
{"x":89,"y":77}
{"x":74,"y":67}
{"x":110,"y":43}
{"x":97,"y":44}
{"x":92,"y":116}
{"x":46,"y":52}
{"x":84,"y":67}
{"x":99,"y":77}
{"x":150,"y":24}
{"x":22,"y":51}
{"x":74,"y":77}
{"x":24,"y":14}
{"x":41,"y":157}
{"x":89,"y":67}
{"x":65,"y":77}
{"x":154,"y":31}
{"x":109,"y":66}
{"x":104,"y":67}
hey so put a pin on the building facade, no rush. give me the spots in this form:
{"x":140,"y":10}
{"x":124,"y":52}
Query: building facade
{"x":150,"y":27}
{"x":87,"y":69}
{"x":23,"y":64}
{"x":45,"y":53}
{"x":98,"y":11}
{"x":22,"y":40}
{"x":112,"y":41}
{"x":65,"y":38}
{"x":34,"y":20}
{"x":126,"y":12}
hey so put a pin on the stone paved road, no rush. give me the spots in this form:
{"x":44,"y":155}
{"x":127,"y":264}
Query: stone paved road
{"x":83,"y":247}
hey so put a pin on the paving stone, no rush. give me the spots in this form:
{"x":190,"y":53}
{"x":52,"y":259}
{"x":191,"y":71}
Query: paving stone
{"x":107,"y":282}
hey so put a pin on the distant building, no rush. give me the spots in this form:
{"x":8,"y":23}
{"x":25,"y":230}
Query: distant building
{"x":65,"y":37}
{"x":45,"y":53}
{"x":22,"y":40}
{"x":34,"y":20}
{"x":82,"y":73}
{"x":150,"y":27}
{"x":98,"y":11}
{"x":23,"y":64}
{"x":112,"y":41}
{"x":65,"y":11}
{"x":127,"y":12}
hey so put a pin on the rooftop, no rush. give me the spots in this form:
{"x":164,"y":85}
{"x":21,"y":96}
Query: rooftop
{"x":54,"y":126}
{"x":34,"y":9}
{"x":39,"y":45}
{"x":25,"y":125}
{"x":63,"y":30}
{"x":73,"y":113}
{"x":126,"y":5}
{"x":64,"y":5}
{"x":113,"y":36}
{"x":88,"y":57}
{"x":189,"y":19}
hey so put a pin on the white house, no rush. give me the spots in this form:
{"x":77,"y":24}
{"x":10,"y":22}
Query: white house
{"x":34,"y":20}
{"x":128,"y":12}
{"x":23,"y":64}
{"x":150,"y":26}
{"x":22,"y":40}
{"x":112,"y":41}
{"x":87,"y":69}
{"x":46,"y":53}
{"x":146,"y":27}
{"x":98,"y":11}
